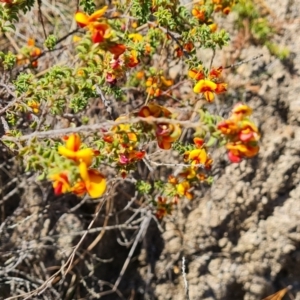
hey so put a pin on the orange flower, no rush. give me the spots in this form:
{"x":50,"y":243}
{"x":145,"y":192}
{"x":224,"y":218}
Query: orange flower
{"x":79,"y":188}
{"x":148,"y":49}
{"x":228,"y":127}
{"x":226,"y":10}
{"x":93,"y":180}
{"x":99,"y":33}
{"x":195,"y":74}
{"x":154,"y":110}
{"x":126,"y":137}
{"x":199,"y":142}
{"x":183,"y":190}
{"x":166,"y":82}
{"x":156,"y":84}
{"x":189,"y":173}
{"x":213,"y":27}
{"x":34,"y":105}
{"x":61,"y":183}
{"x":71,"y":150}
{"x":166,"y":134}
{"x":30,"y":42}
{"x":172,"y":179}
{"x":249,"y":132}
{"x":197,"y":156}
{"x":199,"y":14}
{"x":239,"y":150}
{"x":133,"y":59}
{"x":163,"y":208}
{"x":131,"y":156}
{"x":163,"y":144}
{"x":117,"y":49}
{"x":241,"y":110}
{"x":140,"y":75}
{"x":221,"y":88}
{"x":215,"y":73}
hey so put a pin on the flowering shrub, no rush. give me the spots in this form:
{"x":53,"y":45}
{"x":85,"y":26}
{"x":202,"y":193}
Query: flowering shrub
{"x":120,"y":48}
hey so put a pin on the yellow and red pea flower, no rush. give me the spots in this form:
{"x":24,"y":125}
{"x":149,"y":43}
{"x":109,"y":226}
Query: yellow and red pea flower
{"x":163,"y":207}
{"x":238,"y":150}
{"x":110,"y":78}
{"x":199,"y":13}
{"x":154,"y":110}
{"x":248,"y":132}
{"x":91,"y":181}
{"x":166,"y":133}
{"x":34,"y":105}
{"x":242,"y":134}
{"x":61,"y":184}
{"x":228,"y":127}
{"x":131,"y":156}
{"x":215,"y":73}
{"x":241,"y":111}
{"x":183,"y":189}
{"x":156,"y":84}
{"x":117,"y":49}
{"x":84,"y":20}
{"x":100,"y":31}
{"x":188,"y":47}
{"x":72,"y":150}
{"x":196,"y":74}
{"x":199,"y":142}
{"x":132,"y":59}
{"x":213,"y":27}
{"x":94,"y":181}
{"x":206,"y":87}
{"x":189,"y":173}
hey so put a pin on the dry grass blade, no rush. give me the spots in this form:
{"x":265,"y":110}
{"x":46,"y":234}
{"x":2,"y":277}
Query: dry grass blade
{"x":278,"y":295}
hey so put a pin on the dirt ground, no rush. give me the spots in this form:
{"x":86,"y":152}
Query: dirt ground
{"x":240,"y":238}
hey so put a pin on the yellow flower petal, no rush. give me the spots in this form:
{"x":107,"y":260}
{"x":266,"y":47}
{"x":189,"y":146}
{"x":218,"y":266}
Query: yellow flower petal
{"x":209,"y":96}
{"x":199,"y":155}
{"x":82,"y":19}
{"x":98,"y":14}
{"x":73,"y":142}
{"x":66,"y":152}
{"x":136,"y":37}
{"x":96,"y":185}
{"x":84,"y":172}
{"x":85,"y":155}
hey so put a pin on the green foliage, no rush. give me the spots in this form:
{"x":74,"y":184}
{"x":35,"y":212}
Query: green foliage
{"x":164,"y":18}
{"x":260,"y":28}
{"x":141,"y":9}
{"x":50,"y":42}
{"x":207,"y":39}
{"x":88,"y":6}
{"x":281,"y":52}
{"x":143,"y":187}
{"x":7,"y":60}
{"x":9,"y":13}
